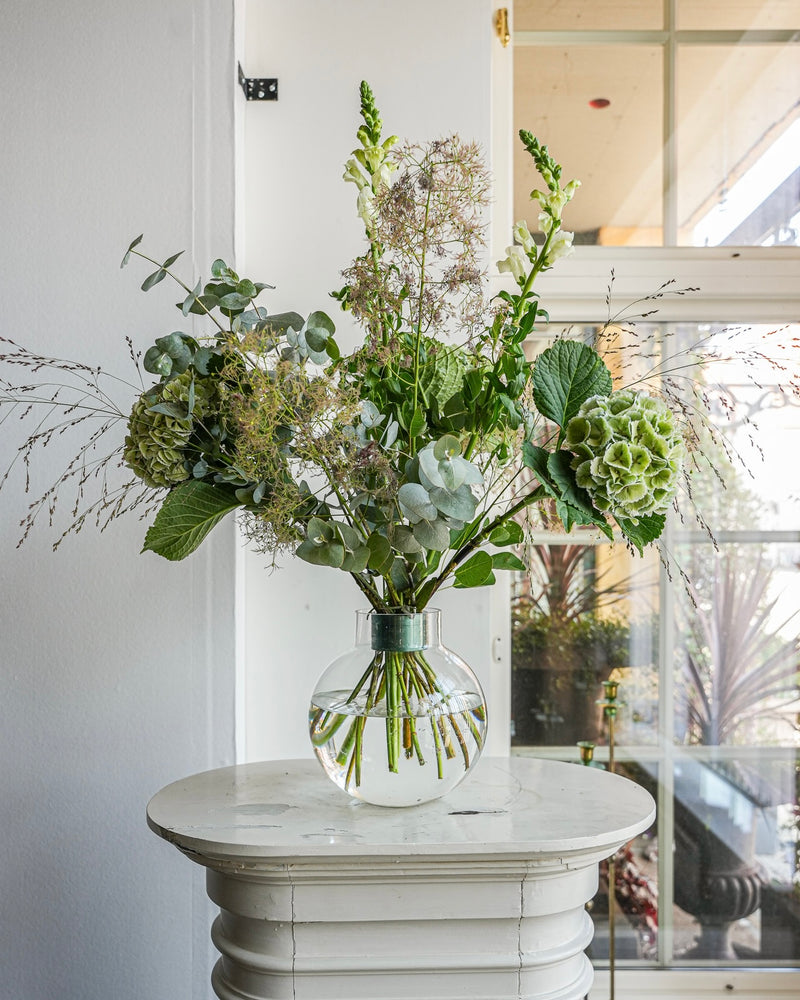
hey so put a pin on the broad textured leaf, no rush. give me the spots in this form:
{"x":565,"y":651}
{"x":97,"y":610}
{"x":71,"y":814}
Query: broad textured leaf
{"x":476,"y":571}
{"x":187,"y":515}
{"x":177,"y":410}
{"x":558,"y":465}
{"x":203,"y":358}
{"x":535,"y":458}
{"x":565,"y":376}
{"x":646,"y":530}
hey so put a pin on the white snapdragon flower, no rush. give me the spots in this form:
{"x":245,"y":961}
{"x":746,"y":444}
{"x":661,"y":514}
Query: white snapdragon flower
{"x":515,"y":262}
{"x":522,"y":236}
{"x":366,"y":206}
{"x":352,"y":172}
{"x":561,"y":246}
{"x":546,"y":222}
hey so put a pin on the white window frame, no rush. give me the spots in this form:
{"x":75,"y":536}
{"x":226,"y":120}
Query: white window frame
{"x":735,"y":285}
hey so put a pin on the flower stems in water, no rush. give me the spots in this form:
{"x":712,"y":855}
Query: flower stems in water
{"x":403,"y":689}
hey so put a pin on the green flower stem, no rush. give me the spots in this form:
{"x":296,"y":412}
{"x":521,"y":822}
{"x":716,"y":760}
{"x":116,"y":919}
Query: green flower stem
{"x":477,"y":540}
{"x":325,"y":731}
{"x":393,"y":724}
{"x":186,"y":288}
{"x":418,"y":332}
{"x":396,"y":677}
{"x":410,"y":722}
{"x":437,"y":742}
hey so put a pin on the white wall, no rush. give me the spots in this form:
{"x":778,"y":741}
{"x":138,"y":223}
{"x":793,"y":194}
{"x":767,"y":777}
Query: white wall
{"x":116,"y":670}
{"x":430,"y":65}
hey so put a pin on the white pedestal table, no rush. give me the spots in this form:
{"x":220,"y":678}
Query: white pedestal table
{"x":480,"y":894}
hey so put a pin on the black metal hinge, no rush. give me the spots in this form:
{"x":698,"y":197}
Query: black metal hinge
{"x":258,"y":88}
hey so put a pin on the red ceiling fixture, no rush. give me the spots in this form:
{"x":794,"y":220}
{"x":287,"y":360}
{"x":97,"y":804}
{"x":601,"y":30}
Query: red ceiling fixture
{"x":599,"y":102}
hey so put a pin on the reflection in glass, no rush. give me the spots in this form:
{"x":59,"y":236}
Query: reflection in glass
{"x":699,"y":15}
{"x":738,"y":145}
{"x":737,"y":652}
{"x":585,"y":614}
{"x":736,"y":860}
{"x":619,"y":202}
{"x":587,"y":15}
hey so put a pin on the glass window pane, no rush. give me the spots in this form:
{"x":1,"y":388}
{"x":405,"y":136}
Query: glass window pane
{"x":737,"y":14}
{"x":748,"y":479}
{"x":736,"y":861}
{"x":615,"y":150}
{"x":737,"y":644}
{"x":738,"y":141}
{"x":585,"y":614}
{"x":586,"y":15}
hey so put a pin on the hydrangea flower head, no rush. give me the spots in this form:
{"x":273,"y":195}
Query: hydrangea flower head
{"x":628,"y":453}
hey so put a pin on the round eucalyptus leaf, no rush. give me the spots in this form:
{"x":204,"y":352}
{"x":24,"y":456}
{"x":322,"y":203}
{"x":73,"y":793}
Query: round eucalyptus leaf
{"x":434,"y":535}
{"x":415,"y":502}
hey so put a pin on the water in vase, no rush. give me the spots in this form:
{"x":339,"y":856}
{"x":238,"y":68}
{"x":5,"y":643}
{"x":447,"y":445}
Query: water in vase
{"x":400,"y":760}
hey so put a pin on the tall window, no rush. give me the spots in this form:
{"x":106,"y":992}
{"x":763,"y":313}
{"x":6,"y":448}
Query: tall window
{"x":683,"y":121}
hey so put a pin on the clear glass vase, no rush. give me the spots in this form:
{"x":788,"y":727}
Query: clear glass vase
{"x":399,"y":719}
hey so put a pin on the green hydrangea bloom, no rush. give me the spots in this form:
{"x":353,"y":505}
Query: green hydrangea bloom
{"x":628,"y":453}
{"x":156,"y":442}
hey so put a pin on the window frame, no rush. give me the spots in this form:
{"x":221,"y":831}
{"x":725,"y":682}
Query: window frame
{"x":730,"y":285}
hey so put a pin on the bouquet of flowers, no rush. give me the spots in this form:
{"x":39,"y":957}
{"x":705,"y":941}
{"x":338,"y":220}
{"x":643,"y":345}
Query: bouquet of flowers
{"x":406,"y":463}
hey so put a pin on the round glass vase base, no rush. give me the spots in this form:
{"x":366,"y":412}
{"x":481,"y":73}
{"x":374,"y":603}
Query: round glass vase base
{"x":399,"y":719}
{"x":432,"y":768}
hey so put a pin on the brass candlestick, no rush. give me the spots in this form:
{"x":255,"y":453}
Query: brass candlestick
{"x":611,"y":706}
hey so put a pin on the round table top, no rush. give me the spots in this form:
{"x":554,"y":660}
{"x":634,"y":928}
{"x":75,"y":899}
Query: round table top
{"x":284,"y":811}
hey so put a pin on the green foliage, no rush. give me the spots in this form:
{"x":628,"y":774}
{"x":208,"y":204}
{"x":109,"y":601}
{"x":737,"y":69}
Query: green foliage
{"x":565,"y":376}
{"x":407,"y":438}
{"x":405,"y":461}
{"x":187,"y":515}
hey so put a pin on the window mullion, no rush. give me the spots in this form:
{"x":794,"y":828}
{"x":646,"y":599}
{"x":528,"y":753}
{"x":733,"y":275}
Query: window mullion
{"x":670,"y":163}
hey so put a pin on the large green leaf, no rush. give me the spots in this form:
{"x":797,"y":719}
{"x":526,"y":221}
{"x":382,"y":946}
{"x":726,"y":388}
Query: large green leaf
{"x":640,"y":533}
{"x":187,"y":515}
{"x":565,"y":376}
{"x":476,"y":571}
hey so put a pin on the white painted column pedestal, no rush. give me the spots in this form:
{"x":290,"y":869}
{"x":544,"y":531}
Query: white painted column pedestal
{"x":479,"y":895}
